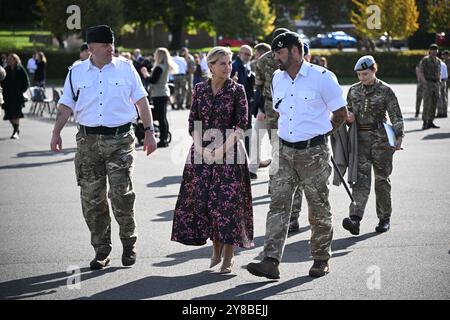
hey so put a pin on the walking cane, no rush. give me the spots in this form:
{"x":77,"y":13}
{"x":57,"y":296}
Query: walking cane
{"x":342,"y":180}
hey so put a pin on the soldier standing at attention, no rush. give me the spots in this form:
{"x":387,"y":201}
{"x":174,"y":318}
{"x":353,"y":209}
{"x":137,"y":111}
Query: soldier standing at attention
{"x":304,"y":95}
{"x":368,"y":102}
{"x":101,"y":92}
{"x":430,"y":68}
{"x":265,"y":67}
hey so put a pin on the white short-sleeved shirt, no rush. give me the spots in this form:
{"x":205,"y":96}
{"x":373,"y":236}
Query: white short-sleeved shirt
{"x":444,"y":71}
{"x":107,"y":96}
{"x":182,"y":64}
{"x":305,"y":103}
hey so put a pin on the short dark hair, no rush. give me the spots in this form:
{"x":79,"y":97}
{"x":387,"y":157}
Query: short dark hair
{"x":262,"y":47}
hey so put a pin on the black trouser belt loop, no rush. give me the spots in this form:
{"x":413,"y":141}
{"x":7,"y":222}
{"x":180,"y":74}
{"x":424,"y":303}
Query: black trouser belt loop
{"x":105,"y":130}
{"x":317,"y":140}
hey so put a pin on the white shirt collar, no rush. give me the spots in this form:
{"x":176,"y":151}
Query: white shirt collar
{"x":114,"y":63}
{"x":303,"y":71}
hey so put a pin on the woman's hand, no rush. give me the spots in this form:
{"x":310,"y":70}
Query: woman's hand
{"x":398,"y":144}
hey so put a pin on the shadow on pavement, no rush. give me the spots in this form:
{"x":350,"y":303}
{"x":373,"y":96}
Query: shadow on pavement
{"x":164,"y":216}
{"x":201,"y":252}
{"x":247,"y":291}
{"x":165,"y":182}
{"x":437,"y":136}
{"x":35,"y":164}
{"x":45,"y":153}
{"x":156,"y":286}
{"x":45,"y":284}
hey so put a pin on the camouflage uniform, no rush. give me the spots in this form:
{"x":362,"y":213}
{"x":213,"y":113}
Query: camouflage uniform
{"x":370,"y":104}
{"x":314,"y":183}
{"x":431,"y":70}
{"x":98,"y":158}
{"x":265,"y":67}
{"x":443,"y":94}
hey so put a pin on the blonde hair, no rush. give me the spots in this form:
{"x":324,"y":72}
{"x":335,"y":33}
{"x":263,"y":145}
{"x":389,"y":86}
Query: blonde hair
{"x":216,"y":53}
{"x":162,"y":56}
{"x":41,"y":56}
{"x":15,"y":58}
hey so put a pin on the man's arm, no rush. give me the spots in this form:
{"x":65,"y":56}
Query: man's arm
{"x":147,"y":119}
{"x":62,"y":115}
{"x":338,"y":118}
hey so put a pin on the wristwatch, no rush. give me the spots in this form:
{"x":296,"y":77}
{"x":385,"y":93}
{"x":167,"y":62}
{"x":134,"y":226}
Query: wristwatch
{"x":149,"y":128}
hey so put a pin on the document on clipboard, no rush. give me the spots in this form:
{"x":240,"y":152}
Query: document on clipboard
{"x":390,"y":134}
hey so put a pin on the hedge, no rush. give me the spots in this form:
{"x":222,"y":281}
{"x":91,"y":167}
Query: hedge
{"x":399,"y":64}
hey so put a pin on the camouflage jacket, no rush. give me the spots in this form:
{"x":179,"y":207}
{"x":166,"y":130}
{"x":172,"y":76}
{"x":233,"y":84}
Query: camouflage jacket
{"x":265,"y":67}
{"x":371,"y":103}
{"x":430,"y":68}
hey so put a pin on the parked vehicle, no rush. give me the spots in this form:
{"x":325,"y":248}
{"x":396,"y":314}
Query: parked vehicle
{"x":226,"y":42}
{"x":333,"y":40}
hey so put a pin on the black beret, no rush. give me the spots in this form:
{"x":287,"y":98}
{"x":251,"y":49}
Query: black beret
{"x":83,"y":47}
{"x":434,"y":46}
{"x":286,"y":40}
{"x":279,"y":31}
{"x":100,"y":34}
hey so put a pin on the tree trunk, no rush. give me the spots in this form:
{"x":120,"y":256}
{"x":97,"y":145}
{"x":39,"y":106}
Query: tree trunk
{"x":176,"y":31}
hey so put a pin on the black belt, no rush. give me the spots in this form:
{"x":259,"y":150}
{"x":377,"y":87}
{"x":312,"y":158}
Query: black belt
{"x":371,"y":126}
{"x":106,"y":130}
{"x":317,"y":140}
{"x":432,"y":80}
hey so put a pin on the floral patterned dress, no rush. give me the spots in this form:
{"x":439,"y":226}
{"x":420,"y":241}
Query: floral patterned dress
{"x":215,"y":200}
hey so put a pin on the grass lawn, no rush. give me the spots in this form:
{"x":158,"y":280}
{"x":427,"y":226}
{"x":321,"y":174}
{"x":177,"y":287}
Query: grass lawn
{"x":20,"y":40}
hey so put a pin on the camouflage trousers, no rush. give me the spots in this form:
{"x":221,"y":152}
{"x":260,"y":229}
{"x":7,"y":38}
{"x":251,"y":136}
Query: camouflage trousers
{"x":443,"y":99}
{"x":430,"y":100}
{"x":419,"y":96}
{"x":272,"y":125}
{"x":310,"y":170}
{"x":100,"y":158}
{"x":373,"y":150}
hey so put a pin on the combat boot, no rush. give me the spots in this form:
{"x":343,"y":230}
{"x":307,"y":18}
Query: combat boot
{"x":383,"y":225}
{"x":100,"y":261}
{"x":129,"y":256}
{"x":267,"y":268}
{"x":432,"y":125}
{"x":319,"y":268}
{"x":352,"y":224}
{"x":294,"y":226}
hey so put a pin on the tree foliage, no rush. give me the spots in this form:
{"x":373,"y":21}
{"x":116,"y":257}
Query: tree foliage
{"x":243,"y":18}
{"x":93,"y":12}
{"x":397,"y":18}
{"x":439,"y":15}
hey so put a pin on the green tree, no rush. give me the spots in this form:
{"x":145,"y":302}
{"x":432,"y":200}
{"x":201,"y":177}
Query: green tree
{"x":177,"y":15}
{"x":243,"y":18}
{"x":439,"y":15}
{"x":18,"y":13}
{"x":393,"y":18}
{"x":93,"y":12}
{"x":329,"y":12}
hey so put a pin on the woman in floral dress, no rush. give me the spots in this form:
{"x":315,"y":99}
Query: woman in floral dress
{"x":215,"y":198}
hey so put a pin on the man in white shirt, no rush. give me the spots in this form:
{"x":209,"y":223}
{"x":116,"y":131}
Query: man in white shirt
{"x":305,"y":96}
{"x":179,"y":81}
{"x":102,"y":92}
{"x":443,"y":96}
{"x":32,"y":66}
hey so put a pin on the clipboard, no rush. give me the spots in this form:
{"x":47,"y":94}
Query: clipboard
{"x":390,"y":134}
